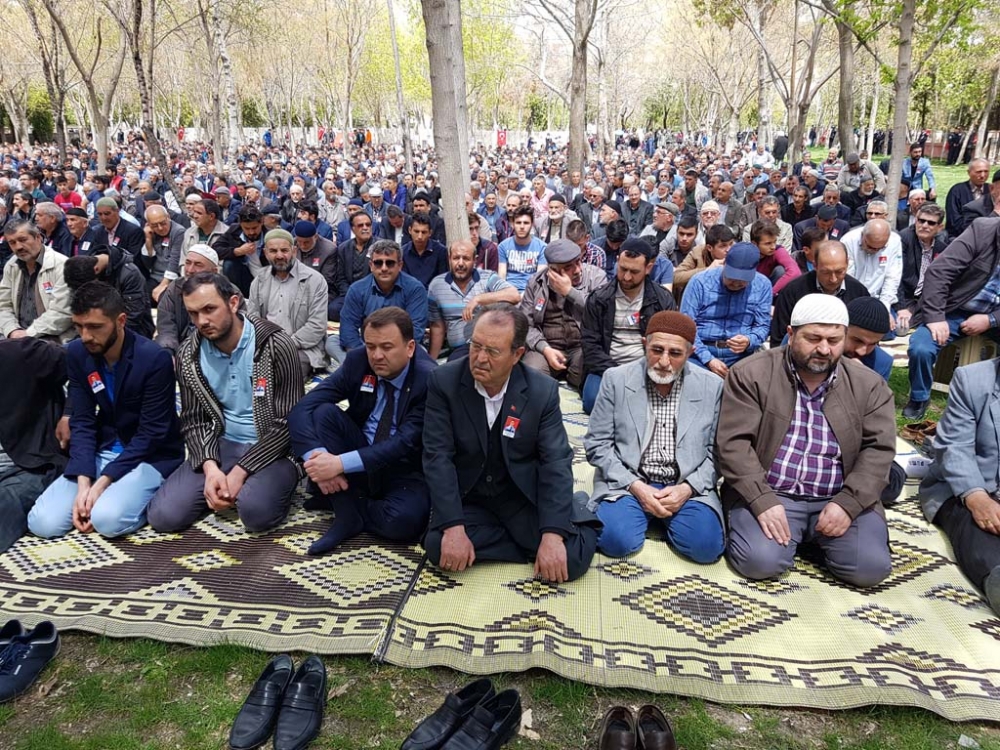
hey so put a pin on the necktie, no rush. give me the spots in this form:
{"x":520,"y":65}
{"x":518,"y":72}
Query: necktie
{"x":385,"y":421}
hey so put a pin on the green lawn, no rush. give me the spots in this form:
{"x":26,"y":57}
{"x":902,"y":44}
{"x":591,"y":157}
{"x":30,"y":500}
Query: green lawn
{"x":102,"y":694}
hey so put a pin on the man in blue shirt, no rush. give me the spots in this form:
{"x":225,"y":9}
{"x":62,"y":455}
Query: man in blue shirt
{"x":522,"y":254}
{"x":364,"y":462}
{"x":385,"y":286}
{"x":424,"y":256}
{"x":914,"y":170}
{"x":125,"y":434}
{"x":731,"y":306}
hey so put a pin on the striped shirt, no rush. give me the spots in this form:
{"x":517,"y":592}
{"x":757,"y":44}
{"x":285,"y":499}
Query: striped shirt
{"x":809,"y":463}
{"x":446,"y":301}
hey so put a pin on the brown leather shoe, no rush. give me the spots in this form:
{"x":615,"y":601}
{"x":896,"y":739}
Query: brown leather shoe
{"x":618,"y":730}
{"x":654,"y":730}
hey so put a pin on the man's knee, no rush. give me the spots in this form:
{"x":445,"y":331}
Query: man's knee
{"x":432,"y":545}
{"x":47,"y":520}
{"x":759,"y":563}
{"x":870,"y":567}
{"x":109,"y":522}
{"x":580,"y":554}
{"x":261,"y":515}
{"x":698,"y":535}
{"x":163,"y":515}
{"x":620,"y":539}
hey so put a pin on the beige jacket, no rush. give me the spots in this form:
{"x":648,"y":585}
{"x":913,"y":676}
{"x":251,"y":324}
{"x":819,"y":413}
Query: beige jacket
{"x":50,"y":288}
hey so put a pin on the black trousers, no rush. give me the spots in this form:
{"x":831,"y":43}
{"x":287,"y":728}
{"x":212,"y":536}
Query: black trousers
{"x":509,"y":532}
{"x":977,"y":551}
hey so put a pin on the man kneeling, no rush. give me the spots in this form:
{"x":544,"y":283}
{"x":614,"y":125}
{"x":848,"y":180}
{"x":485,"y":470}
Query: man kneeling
{"x":125,"y":435}
{"x":805,"y":440}
{"x":651,"y":440}
{"x":497,"y":456}
{"x":365,"y":462}
{"x":239,"y":376}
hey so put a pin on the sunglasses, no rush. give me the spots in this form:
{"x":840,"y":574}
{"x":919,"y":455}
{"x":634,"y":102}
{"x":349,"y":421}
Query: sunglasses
{"x":928,"y":222}
{"x":384,"y":263}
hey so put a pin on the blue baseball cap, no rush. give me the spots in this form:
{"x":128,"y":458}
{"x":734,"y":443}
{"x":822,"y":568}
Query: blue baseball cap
{"x":741,"y":262}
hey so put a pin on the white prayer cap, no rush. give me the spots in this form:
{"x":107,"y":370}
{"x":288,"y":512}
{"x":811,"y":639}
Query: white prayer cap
{"x":824,"y":309}
{"x":209,"y":254}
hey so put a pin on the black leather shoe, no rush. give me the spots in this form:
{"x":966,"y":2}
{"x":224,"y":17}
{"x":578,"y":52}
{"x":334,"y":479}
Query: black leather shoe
{"x":915,"y":410}
{"x":255,"y":721}
{"x":618,"y":730}
{"x":654,"y":730}
{"x":491,"y":724}
{"x":431,"y":733}
{"x":301,"y":713}
{"x":24,"y":658}
{"x":8,"y":631}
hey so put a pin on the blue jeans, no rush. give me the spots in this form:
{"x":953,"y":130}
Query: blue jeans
{"x":120,"y":510}
{"x":591,"y":387}
{"x":923,"y":352}
{"x":695,"y":531}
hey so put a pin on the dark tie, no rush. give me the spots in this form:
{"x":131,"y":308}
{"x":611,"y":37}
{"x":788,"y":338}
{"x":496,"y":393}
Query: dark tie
{"x":385,"y":421}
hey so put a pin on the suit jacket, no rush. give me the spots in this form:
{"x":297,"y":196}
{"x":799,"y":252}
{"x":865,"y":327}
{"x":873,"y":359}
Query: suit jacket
{"x":61,"y":240}
{"x":538,"y":457}
{"x":912,"y":254}
{"x":621,"y":428}
{"x":959,"y":195}
{"x":591,"y":220}
{"x":398,"y":454}
{"x":31,"y":410}
{"x":637,"y":218}
{"x":840,"y":228}
{"x":142,"y":415}
{"x":967,"y":444}
{"x":973,"y":210}
{"x":758,"y":401}
{"x":130,"y":238}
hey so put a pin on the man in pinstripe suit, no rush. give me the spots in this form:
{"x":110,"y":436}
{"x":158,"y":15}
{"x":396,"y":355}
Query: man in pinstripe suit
{"x":239,"y":376}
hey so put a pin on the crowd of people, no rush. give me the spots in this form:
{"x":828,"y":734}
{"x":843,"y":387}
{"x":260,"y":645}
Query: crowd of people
{"x":719,"y":313}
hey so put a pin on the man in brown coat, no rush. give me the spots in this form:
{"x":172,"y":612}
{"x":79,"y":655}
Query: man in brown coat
{"x":804,"y":444}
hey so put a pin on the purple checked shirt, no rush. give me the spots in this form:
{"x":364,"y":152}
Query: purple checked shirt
{"x":809,"y":463}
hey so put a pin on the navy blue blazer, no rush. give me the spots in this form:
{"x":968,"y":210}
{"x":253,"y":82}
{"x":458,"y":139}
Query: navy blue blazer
{"x":131,"y":238}
{"x":400,"y":453}
{"x":143,"y":415}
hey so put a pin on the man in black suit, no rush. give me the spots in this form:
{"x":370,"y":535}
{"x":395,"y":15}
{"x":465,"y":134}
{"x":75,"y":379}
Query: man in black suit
{"x":988,"y":205}
{"x":921,"y":244}
{"x":825,"y":219}
{"x":966,"y":192}
{"x":496,"y":453}
{"x":117,"y":233}
{"x":364,"y":462}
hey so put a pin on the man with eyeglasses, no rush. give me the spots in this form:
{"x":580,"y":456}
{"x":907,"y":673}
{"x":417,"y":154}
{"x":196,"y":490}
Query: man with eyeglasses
{"x":497,"y":456}
{"x":920,"y":244}
{"x":353,"y":256}
{"x":384,"y":286}
{"x":860,"y":202}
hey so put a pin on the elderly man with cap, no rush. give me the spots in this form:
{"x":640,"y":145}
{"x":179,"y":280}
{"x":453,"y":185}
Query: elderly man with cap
{"x":293,"y":296}
{"x":552,"y":225}
{"x":825,"y":219}
{"x":731,"y":306}
{"x":78,"y":224}
{"x":651,"y":441}
{"x":554,"y":302}
{"x":856,"y":170}
{"x":804,"y":446}
{"x":173,"y":325}
{"x":229,"y":208}
{"x":319,"y":254}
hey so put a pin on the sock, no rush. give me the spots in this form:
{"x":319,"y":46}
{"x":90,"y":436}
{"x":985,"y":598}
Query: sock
{"x":346,"y":524}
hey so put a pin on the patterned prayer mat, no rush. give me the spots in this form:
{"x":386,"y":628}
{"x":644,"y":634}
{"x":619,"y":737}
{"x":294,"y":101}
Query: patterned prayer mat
{"x":652,"y":621}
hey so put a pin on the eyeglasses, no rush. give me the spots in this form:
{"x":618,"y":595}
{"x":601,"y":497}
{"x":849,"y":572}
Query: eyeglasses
{"x":366,"y":225}
{"x":476,"y":348}
{"x":875,"y":213}
{"x":928,"y":222}
{"x":384,"y":263}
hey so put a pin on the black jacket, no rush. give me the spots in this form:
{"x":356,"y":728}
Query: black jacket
{"x":61,"y":240}
{"x":799,"y":288}
{"x":906,"y":299}
{"x":122,"y":274}
{"x":130,"y":238}
{"x":599,"y":321}
{"x":31,"y":410}
{"x":958,"y":197}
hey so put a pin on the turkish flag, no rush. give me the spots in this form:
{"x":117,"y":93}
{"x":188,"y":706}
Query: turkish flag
{"x":501,"y":138}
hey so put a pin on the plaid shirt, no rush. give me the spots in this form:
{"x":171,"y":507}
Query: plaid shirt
{"x":658,"y":462}
{"x":809,"y":463}
{"x":595,"y":256}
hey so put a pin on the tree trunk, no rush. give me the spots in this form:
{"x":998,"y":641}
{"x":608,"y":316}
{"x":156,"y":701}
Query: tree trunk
{"x":985,"y":118}
{"x":763,"y":80}
{"x":845,"y":111}
{"x":578,"y":148}
{"x":870,"y":141}
{"x":233,"y":133}
{"x":443,"y":24}
{"x":404,"y":123}
{"x":901,"y":105}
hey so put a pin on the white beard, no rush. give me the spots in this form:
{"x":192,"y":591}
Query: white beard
{"x":660,"y":379}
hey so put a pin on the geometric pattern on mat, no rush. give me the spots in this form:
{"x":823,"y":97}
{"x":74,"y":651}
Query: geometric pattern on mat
{"x":651,"y":621}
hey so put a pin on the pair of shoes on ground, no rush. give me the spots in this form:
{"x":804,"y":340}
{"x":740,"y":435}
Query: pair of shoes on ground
{"x":646,"y":730}
{"x":919,"y":433}
{"x":285,"y":702}
{"x":23,"y":656}
{"x":473,"y":718}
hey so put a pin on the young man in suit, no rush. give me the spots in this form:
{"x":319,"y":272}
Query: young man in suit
{"x":125,"y":432}
{"x":364,"y":462}
{"x":497,"y":456}
{"x":651,"y":442}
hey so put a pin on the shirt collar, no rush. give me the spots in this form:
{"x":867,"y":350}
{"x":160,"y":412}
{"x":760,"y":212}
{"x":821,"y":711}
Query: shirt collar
{"x":241,"y":345}
{"x":397,"y":382}
{"x":493,"y":399}
{"x":376,"y":289}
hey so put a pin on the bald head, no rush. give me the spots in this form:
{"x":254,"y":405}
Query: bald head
{"x":156,"y":212}
{"x":831,"y":250}
{"x":875,"y":235}
{"x":461,"y":260}
{"x":831,"y":265}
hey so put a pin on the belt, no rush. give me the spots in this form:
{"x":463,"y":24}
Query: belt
{"x":718,"y":344}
